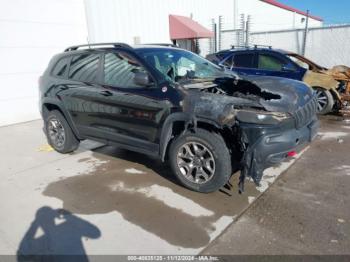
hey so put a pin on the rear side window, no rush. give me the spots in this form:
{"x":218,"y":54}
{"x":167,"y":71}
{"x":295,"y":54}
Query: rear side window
{"x":84,"y":67}
{"x":268,"y":62}
{"x":120,"y":68}
{"x":61,"y":67}
{"x":244,"y":60}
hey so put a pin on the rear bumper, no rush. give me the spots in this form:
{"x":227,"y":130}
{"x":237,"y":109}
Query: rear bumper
{"x":272,"y":146}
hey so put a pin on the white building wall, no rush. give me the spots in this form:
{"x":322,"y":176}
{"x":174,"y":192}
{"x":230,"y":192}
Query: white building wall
{"x":123,"y":20}
{"x":147,"y":21}
{"x":31,"y":33}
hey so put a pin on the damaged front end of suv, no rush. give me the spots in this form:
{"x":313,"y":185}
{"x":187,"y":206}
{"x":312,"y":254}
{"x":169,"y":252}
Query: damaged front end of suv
{"x":263,"y":119}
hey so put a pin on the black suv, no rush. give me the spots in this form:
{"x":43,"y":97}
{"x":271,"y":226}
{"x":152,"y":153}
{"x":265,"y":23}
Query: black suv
{"x":173,"y":104}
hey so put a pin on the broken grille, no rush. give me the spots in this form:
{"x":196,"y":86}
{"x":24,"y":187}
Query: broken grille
{"x":304,"y":115}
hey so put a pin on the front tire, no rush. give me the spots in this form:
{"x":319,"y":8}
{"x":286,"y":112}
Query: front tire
{"x":325,"y":100}
{"x":59,"y":134}
{"x":201,"y":161}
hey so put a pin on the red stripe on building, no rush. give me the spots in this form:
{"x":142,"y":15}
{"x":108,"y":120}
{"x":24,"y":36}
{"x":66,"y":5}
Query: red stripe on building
{"x":289,"y":8}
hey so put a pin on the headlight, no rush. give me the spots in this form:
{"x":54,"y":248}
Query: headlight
{"x":260,"y":117}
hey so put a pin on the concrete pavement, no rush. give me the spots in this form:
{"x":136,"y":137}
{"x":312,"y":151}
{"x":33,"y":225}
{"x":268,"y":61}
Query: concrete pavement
{"x":307,"y":210}
{"x":102,"y":200}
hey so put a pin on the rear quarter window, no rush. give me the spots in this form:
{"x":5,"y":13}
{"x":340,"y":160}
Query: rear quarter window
{"x":61,"y":67}
{"x":84,"y":67}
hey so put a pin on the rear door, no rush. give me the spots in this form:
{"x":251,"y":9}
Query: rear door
{"x":243,"y":62}
{"x":81,"y":90}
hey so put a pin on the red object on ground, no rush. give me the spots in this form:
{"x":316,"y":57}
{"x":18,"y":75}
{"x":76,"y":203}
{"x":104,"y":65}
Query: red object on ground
{"x":182,"y":27}
{"x":291,"y":153}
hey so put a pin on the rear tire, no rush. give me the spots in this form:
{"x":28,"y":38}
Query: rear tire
{"x":59,"y":134}
{"x":325,"y":100}
{"x":201,"y":161}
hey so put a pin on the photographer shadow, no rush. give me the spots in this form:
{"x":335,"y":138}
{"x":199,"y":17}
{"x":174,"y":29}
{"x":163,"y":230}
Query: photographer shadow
{"x":56,"y":235}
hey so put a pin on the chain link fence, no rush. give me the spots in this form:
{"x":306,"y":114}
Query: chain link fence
{"x":327,"y":45}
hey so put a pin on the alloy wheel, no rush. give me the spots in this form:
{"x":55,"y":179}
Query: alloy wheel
{"x":56,"y":132}
{"x":322,"y":100}
{"x":196,"y":162}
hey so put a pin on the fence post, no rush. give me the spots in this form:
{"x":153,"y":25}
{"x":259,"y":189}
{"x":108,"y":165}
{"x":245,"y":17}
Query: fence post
{"x":220,"y":33}
{"x":305,"y":33}
{"x":242,"y":29}
{"x":247,"y":31}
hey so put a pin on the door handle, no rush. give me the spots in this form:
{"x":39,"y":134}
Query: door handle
{"x":106,"y":93}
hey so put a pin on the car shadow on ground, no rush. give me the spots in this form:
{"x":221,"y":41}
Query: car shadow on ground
{"x":56,"y":235}
{"x":161,"y":168}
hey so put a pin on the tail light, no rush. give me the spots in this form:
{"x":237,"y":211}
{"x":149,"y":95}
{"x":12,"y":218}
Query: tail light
{"x":291,"y":153}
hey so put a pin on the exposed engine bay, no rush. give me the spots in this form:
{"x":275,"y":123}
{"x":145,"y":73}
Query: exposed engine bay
{"x":232,"y":103}
{"x":235,"y":88}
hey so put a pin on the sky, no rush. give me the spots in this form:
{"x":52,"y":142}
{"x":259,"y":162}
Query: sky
{"x":332,"y":11}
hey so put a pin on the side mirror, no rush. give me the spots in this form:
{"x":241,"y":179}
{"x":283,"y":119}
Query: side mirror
{"x":142,"y":79}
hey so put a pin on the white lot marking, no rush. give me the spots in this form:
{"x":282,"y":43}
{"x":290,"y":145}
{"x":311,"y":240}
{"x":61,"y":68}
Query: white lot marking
{"x":251,"y":199}
{"x":91,"y":164}
{"x":332,"y":135}
{"x":220,"y":225}
{"x":345,"y":168}
{"x":334,"y":241}
{"x":168,"y":197}
{"x":272,"y":173}
{"x":134,"y":171}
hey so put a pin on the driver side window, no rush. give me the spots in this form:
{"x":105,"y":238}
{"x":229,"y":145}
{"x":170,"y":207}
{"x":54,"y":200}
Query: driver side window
{"x":268,"y":62}
{"x":120,"y":68}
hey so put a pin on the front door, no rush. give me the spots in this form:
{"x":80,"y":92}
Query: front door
{"x":128,"y":113}
{"x":270,"y":64}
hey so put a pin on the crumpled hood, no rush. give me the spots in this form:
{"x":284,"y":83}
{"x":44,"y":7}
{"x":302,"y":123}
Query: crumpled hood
{"x":293,"y":94}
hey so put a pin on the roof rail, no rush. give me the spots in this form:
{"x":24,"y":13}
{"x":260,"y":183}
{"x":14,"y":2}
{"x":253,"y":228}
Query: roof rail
{"x":162,"y":44}
{"x":72,"y":48}
{"x":239,"y":46}
{"x":247,"y":46}
{"x":268,"y":46}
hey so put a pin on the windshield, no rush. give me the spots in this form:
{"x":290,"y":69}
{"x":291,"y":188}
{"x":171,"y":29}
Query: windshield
{"x":299,"y":62}
{"x":177,"y":65}
{"x":304,"y":62}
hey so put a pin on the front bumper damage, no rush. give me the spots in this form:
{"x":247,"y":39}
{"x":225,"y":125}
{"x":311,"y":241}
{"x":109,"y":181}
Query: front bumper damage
{"x":262,"y":143}
{"x":267,"y":146}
